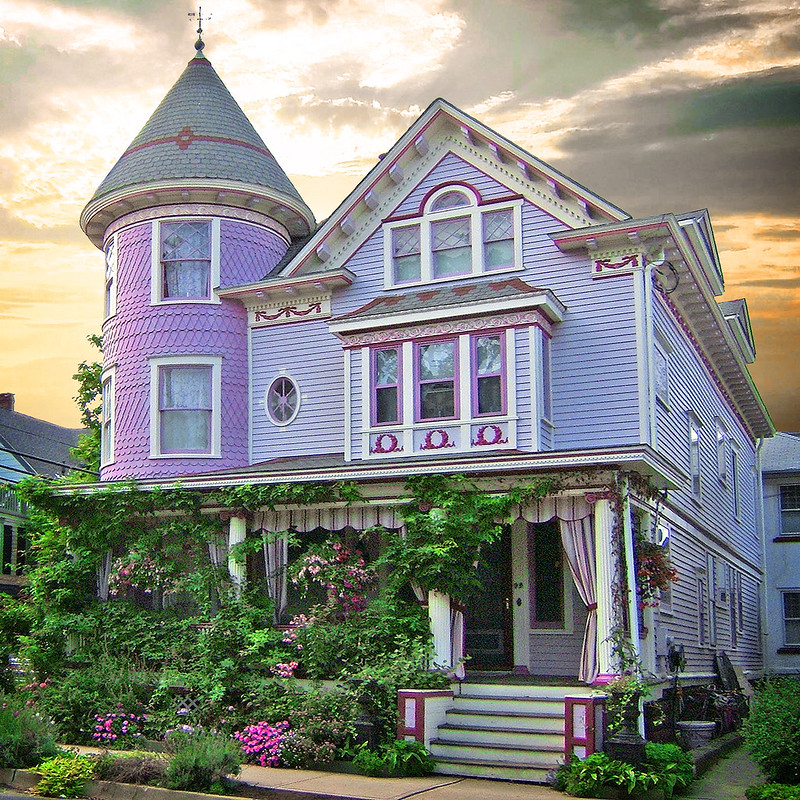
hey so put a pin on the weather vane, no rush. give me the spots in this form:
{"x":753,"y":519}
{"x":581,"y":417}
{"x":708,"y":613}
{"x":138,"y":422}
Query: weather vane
{"x":199,"y":44}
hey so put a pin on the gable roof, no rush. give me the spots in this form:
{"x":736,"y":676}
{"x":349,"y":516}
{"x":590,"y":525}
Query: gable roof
{"x":440,"y":129}
{"x":39,"y":447}
{"x":781,"y":453}
{"x":197,"y":138}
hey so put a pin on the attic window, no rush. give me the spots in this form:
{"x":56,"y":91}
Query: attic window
{"x":454,"y":237}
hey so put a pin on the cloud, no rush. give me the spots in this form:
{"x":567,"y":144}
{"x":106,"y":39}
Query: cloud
{"x":779,"y":233}
{"x":774,"y":283}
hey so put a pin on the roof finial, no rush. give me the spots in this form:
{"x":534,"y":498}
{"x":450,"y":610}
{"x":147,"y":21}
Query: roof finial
{"x":199,"y":44}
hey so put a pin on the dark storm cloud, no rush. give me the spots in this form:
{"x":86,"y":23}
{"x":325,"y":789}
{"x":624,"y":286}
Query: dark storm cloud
{"x":604,"y":17}
{"x":729,"y":168}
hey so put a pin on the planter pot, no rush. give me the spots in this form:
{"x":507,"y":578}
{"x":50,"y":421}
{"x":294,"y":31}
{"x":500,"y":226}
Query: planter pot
{"x":696,"y":733}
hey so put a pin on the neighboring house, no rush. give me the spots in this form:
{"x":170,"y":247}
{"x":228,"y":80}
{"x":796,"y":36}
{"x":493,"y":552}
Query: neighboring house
{"x":780,"y":480}
{"x":28,"y":446}
{"x":466,"y":309}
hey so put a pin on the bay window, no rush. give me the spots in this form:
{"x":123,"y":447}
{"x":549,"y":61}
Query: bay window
{"x":454,"y":236}
{"x":488,"y":389}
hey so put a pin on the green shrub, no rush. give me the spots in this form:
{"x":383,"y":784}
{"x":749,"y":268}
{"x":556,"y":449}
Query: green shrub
{"x":773,"y":791}
{"x":26,"y":736}
{"x":64,"y":776}
{"x":674,"y":766}
{"x":131,"y":767}
{"x":666,"y":769}
{"x":398,"y":759}
{"x":200,"y":761}
{"x":772,"y":731}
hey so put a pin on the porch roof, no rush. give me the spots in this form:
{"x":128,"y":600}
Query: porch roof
{"x":333,"y":467}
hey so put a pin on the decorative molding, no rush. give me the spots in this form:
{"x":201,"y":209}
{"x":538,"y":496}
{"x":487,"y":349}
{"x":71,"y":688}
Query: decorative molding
{"x":282,"y":312}
{"x":480,"y":439}
{"x":205,"y":210}
{"x":442,"y":440}
{"x":393,"y":445}
{"x":449,"y":327}
{"x":603,"y":267}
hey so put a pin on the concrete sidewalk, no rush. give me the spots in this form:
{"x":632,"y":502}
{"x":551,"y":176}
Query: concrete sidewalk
{"x":727,"y":779}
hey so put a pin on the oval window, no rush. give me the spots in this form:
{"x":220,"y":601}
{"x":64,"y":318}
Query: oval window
{"x":283,"y":400}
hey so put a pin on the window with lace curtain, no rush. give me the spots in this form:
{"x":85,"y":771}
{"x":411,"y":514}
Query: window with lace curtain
{"x":186,"y":260}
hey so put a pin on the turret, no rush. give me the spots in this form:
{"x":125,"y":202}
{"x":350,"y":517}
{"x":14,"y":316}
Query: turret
{"x":196,"y":203}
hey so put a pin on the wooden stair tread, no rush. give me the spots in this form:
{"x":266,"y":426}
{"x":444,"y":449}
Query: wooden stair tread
{"x":549,"y":748}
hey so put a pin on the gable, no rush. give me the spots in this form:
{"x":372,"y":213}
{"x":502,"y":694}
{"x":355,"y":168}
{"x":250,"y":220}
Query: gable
{"x":441,"y":134}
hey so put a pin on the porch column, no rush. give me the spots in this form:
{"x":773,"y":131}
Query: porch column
{"x":604,"y":565}
{"x":237,"y":532}
{"x":439,"y":615}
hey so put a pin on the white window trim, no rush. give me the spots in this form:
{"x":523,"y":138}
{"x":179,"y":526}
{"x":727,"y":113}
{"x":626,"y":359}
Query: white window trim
{"x":661,"y":345}
{"x":723,"y":447}
{"x":108,"y":426}
{"x":735,"y":479}
{"x":695,"y":427}
{"x":155,"y":263}
{"x":215,"y":362}
{"x":112,"y":270}
{"x":475,"y":211}
{"x":273,"y":421}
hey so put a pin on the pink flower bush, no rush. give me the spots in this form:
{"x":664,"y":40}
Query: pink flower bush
{"x":137,"y":571}
{"x":261,"y":743}
{"x":119,"y":727}
{"x":284,"y":670}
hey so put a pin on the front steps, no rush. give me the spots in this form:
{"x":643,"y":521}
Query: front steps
{"x":497,"y":730}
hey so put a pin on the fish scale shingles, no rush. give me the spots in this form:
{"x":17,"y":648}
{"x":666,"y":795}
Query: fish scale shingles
{"x":199,"y":101}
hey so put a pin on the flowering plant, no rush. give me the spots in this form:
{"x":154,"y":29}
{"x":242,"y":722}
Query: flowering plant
{"x":654,"y":572}
{"x":342,"y":572}
{"x":261,"y":743}
{"x":140,"y":571}
{"x":119,"y":728}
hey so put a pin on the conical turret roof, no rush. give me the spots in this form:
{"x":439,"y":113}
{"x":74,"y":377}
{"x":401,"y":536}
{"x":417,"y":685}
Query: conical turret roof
{"x":199,"y":141}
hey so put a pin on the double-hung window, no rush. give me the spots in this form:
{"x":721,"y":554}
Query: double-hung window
{"x":695,"y":431}
{"x":186,"y":260}
{"x":437,"y":380}
{"x":185,"y":406}
{"x":723,"y":450}
{"x":453,"y":237}
{"x":108,"y":413}
{"x":111,"y":277}
{"x":387,"y":389}
{"x":791,"y":619}
{"x":488,"y":396}
{"x":790,"y":508}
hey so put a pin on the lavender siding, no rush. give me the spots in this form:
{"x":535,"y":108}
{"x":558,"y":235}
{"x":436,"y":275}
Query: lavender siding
{"x":559,"y":654}
{"x":524,"y":387}
{"x":313,"y":357}
{"x":138,"y":331}
{"x":247,"y":252}
{"x":707,"y":526}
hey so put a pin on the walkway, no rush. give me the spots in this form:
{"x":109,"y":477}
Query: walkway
{"x":728,"y":778}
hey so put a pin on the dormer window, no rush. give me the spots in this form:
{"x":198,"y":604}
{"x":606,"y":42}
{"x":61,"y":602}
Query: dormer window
{"x":455,"y":236}
{"x":185,"y":261}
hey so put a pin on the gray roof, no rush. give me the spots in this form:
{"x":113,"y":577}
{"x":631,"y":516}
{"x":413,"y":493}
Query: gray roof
{"x":781,"y":453}
{"x":435,"y":298}
{"x":198,"y":132}
{"x":41,"y":446}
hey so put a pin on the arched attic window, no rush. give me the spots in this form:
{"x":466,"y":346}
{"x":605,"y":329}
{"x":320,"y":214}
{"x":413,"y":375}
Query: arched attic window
{"x":455,"y":236}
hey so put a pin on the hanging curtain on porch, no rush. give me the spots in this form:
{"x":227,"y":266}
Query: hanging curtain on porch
{"x":217,"y":552}
{"x":576,"y":522}
{"x":577,"y":537}
{"x":332,"y":519}
{"x":276,"y":555}
{"x":457,"y":639}
{"x":103,"y":576}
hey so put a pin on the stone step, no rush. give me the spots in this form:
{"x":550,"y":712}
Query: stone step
{"x":550,"y":721}
{"x":523,"y":690}
{"x":500,"y":753}
{"x":476,"y":768}
{"x":507,"y":704}
{"x":481,"y":735}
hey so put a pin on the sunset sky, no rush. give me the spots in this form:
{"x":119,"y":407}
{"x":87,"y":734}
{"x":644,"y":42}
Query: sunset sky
{"x":655,"y":105}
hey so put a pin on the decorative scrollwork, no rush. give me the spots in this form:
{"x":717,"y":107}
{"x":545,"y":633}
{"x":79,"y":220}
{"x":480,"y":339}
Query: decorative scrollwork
{"x":480,"y":439}
{"x":603,"y":494}
{"x":443,"y":441}
{"x":393,"y":445}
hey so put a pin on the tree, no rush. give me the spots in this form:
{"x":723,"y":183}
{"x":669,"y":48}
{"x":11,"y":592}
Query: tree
{"x":90,"y":402}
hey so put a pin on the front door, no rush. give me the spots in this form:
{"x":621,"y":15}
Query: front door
{"x":488,"y":637}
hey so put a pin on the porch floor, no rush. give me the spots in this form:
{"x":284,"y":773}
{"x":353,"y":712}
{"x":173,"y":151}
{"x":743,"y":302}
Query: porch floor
{"x":511,"y":679}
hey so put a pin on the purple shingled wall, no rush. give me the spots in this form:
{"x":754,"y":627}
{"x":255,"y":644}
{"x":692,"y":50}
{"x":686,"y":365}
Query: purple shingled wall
{"x":139,"y":330}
